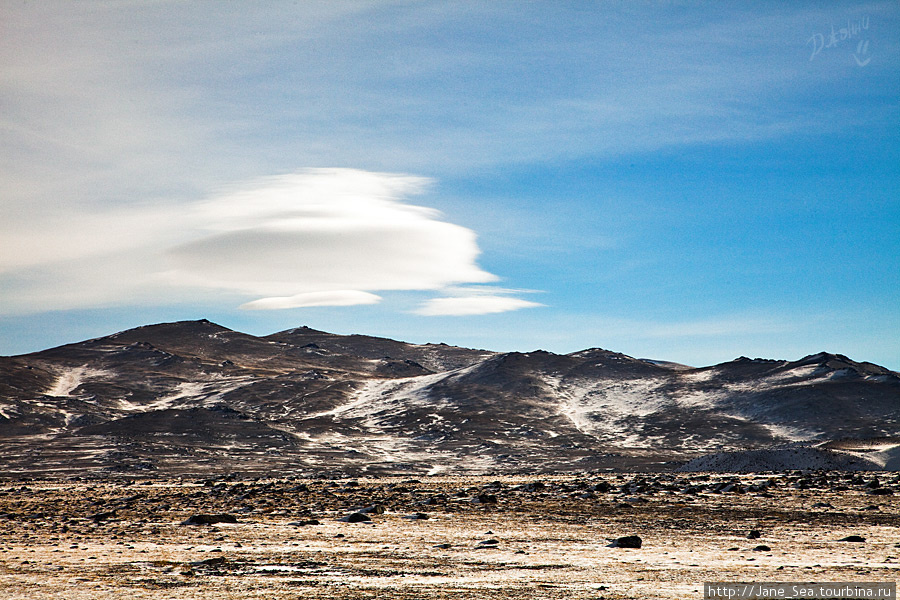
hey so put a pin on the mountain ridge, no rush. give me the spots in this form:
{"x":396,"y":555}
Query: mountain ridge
{"x":195,"y":396}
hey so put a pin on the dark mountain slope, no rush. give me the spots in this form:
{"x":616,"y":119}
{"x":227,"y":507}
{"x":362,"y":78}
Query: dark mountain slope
{"x":433,"y":357}
{"x":194,"y":396}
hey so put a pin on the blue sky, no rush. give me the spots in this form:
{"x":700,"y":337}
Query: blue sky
{"x":689,"y":181}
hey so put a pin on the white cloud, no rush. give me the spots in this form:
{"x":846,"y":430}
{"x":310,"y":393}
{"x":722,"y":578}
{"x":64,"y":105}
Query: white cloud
{"x":334,"y":298}
{"x":325,"y":230}
{"x":459,"y":306}
{"x":316,"y":237}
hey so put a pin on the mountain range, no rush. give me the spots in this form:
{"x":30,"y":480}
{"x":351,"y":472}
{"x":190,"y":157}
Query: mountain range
{"x":195,"y":397}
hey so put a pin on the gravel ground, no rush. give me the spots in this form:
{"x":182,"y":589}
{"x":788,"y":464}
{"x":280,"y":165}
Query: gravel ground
{"x":443,"y":537}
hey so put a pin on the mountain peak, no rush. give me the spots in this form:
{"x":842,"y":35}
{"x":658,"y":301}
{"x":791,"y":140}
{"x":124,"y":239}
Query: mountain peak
{"x":197,"y":325}
{"x":597,"y":353}
{"x":162,"y":332}
{"x":302,"y":330}
{"x":837,"y":362}
{"x":760,"y":361}
{"x":823,"y":357}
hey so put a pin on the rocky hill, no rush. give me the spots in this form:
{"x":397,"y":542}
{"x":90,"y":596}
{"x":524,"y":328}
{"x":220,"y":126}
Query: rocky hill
{"x":195,"y":397}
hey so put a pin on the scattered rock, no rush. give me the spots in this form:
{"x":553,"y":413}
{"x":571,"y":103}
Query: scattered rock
{"x":534,"y":486}
{"x":628,"y":541}
{"x":780,"y":458}
{"x":209,"y":519}
{"x":209,"y":562}
{"x":761,"y":548}
{"x":754,"y":534}
{"x":357,"y":517}
{"x":853,"y":538}
{"x":103,"y":516}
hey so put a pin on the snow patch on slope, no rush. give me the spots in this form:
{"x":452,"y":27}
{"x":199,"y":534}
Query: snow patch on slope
{"x":71,"y":379}
{"x":888,"y":457}
{"x":379,"y":399}
{"x":209,"y":392}
{"x":698,"y":376}
{"x":793,"y":434}
{"x":599,"y":408}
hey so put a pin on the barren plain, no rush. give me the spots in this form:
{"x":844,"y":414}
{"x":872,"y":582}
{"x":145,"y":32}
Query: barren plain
{"x":442,"y":537}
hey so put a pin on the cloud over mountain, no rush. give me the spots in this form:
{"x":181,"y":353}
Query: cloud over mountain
{"x":474,"y":301}
{"x":325,"y":230}
{"x":318,"y":237}
{"x":333,"y":298}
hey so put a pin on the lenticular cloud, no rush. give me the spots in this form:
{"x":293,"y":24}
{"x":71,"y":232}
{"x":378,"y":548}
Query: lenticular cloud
{"x":319,"y":237}
{"x":458,"y":306}
{"x":335,"y":298}
{"x":332,"y":233}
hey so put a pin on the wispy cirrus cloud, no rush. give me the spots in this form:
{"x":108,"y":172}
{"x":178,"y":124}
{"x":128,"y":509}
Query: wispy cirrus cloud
{"x":285,"y":84}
